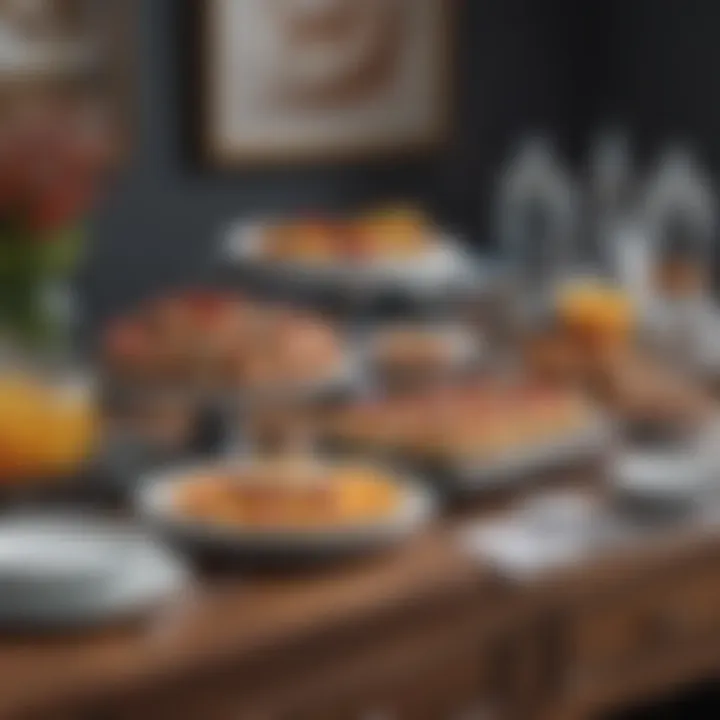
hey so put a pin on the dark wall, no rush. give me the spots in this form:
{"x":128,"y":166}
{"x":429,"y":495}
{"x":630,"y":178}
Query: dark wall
{"x":663,"y":73}
{"x":521,"y":65}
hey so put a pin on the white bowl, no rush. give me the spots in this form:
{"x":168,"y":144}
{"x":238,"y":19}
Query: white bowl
{"x":155,"y":501}
{"x":77,"y":570}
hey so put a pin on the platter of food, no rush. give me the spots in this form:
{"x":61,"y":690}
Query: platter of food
{"x":222,"y":343}
{"x":397,"y":250}
{"x":285,"y":506}
{"x":474,"y":436}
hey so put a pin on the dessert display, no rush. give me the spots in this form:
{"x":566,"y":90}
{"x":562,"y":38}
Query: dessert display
{"x":482,"y":421}
{"x":395,"y":251}
{"x":47,"y":431}
{"x":380,"y":236}
{"x":221,"y":341}
{"x":288,"y":495}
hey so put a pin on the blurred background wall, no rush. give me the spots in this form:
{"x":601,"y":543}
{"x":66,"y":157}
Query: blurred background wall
{"x":560,"y":66}
{"x":662,"y":75}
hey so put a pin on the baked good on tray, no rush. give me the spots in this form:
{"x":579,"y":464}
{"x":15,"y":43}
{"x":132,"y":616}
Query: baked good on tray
{"x":477,"y":420}
{"x":221,"y":341}
{"x":385,"y":235}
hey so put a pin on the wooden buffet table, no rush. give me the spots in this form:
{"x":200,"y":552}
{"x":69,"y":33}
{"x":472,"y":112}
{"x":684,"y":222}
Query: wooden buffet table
{"x":423,"y":632}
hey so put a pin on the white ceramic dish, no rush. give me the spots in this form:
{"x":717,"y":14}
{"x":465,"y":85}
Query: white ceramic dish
{"x":155,"y":503}
{"x":69,"y":571}
{"x":443,"y":267}
{"x":667,"y":478}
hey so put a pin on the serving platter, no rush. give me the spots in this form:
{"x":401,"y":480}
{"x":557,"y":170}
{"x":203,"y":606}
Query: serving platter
{"x":470,"y":437}
{"x":157,"y":494}
{"x":445,"y":268}
{"x":469,"y":476}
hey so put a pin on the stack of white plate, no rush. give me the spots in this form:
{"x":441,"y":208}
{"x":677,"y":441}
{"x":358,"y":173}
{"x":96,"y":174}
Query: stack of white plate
{"x":664,"y":479}
{"x":58,"y":571}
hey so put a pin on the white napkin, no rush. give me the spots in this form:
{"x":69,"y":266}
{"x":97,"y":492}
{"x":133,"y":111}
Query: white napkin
{"x":518,"y":551}
{"x":549,"y":531}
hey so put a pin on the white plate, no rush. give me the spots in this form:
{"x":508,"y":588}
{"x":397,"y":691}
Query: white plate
{"x":670,"y":477}
{"x":157,"y":492}
{"x":443,"y":267}
{"x":69,"y":571}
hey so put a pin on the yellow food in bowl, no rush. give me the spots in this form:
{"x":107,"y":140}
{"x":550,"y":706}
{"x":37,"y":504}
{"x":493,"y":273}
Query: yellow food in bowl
{"x":364,"y":494}
{"x":282,"y":499}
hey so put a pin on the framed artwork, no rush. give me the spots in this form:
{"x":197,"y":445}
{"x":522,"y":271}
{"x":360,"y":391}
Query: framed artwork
{"x":316,"y":80}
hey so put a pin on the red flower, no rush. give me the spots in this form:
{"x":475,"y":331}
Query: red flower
{"x":52,"y":157}
{"x":59,"y":207}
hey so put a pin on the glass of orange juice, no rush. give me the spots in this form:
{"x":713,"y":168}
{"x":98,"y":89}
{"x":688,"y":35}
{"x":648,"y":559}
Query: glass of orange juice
{"x":598,"y":315}
{"x":47,"y":428}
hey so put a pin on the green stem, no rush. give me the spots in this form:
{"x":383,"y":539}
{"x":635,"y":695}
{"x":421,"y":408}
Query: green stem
{"x":28,"y":267}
